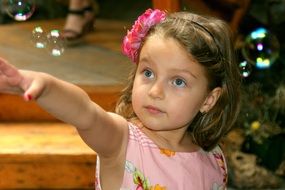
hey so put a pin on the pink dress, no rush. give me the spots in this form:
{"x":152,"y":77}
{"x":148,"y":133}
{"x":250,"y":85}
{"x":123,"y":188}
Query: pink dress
{"x":150,"y":168}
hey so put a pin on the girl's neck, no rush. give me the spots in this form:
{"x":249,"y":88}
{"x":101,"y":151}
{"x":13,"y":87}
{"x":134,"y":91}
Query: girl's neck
{"x":177,"y":141}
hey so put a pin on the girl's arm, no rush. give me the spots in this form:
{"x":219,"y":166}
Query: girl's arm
{"x":102,"y":131}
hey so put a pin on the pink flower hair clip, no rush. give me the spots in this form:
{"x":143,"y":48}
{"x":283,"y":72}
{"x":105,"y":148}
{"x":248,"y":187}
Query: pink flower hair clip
{"x":132,"y":41}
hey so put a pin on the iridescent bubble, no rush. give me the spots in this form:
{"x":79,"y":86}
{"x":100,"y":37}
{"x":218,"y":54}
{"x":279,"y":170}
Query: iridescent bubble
{"x":20,"y":10}
{"x":261,"y":48}
{"x":39,"y":37}
{"x":55,"y":43}
{"x":245,"y":69}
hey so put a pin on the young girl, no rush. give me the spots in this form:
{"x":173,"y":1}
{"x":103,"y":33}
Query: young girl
{"x":182,"y":98}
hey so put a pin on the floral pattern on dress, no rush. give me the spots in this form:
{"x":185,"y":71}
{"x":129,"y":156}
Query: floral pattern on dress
{"x":167,"y":152}
{"x":221,"y":162}
{"x":142,"y":183}
{"x":158,"y":187}
{"x":218,"y":187}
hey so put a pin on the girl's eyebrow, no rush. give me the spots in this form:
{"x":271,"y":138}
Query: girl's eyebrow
{"x":185,"y":71}
{"x":144,"y":59}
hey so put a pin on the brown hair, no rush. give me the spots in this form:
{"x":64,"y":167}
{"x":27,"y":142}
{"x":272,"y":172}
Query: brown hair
{"x":209,"y":41}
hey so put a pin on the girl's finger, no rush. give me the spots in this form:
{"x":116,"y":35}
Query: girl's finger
{"x":7,"y":69}
{"x":33,"y":91}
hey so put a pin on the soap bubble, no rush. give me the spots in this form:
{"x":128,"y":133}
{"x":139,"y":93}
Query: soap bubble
{"x":51,"y":41}
{"x":55,"y":43}
{"x":39,"y":37}
{"x":245,"y":69}
{"x":20,"y":10}
{"x":261,"y":48}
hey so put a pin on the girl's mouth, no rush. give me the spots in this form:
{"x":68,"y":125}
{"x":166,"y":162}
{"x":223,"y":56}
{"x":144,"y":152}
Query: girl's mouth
{"x":153,"y":110}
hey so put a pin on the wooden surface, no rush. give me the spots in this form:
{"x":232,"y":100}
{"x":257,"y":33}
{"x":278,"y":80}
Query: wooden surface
{"x":44,"y":155}
{"x":167,"y":5}
{"x":98,"y":61}
{"x":41,"y":138}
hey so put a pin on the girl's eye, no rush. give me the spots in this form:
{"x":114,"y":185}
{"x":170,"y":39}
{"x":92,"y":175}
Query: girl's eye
{"x":148,"y":73}
{"x":179,"y":82}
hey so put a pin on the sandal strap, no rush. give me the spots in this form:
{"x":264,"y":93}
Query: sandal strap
{"x":81,"y":11}
{"x":76,"y":12}
{"x":88,"y":9}
{"x":74,"y":35}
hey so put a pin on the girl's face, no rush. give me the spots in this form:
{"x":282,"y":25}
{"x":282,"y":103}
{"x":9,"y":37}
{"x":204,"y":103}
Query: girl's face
{"x":170,"y":87}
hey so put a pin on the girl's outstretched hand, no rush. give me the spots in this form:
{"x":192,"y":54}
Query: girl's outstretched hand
{"x":14,"y":81}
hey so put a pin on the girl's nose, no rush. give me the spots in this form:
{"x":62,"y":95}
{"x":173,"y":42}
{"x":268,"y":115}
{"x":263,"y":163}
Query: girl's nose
{"x":157,"y":90}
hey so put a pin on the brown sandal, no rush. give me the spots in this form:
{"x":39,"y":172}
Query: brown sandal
{"x":73,"y":37}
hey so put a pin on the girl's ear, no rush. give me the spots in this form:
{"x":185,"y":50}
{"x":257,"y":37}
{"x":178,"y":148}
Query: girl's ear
{"x":211,"y":100}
